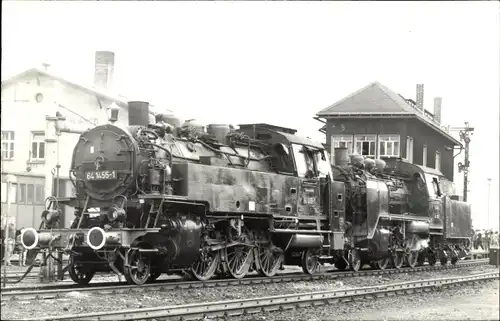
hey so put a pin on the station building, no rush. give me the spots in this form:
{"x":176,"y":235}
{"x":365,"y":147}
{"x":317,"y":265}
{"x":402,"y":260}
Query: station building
{"x":30,"y":148}
{"x":376,"y":122}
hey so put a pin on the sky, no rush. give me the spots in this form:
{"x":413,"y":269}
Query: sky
{"x":279,"y":62}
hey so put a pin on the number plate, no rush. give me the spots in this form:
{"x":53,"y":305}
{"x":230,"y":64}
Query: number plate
{"x":100,"y":175}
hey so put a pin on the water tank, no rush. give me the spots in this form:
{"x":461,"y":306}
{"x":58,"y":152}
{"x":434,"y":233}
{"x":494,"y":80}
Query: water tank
{"x":341,"y":156}
{"x":219,"y":131}
{"x":138,"y":113}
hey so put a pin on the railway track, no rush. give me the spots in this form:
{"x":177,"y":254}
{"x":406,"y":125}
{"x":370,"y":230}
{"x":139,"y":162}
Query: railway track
{"x":232,"y":308}
{"x":59,"y":291}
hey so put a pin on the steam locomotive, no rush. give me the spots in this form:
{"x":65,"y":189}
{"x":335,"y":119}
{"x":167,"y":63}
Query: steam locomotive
{"x":161,"y":197}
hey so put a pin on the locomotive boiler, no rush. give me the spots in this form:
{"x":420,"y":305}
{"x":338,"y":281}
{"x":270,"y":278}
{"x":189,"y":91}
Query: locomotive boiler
{"x":166,"y":197}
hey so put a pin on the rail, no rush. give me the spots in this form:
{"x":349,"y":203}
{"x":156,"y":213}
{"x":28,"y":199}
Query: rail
{"x":289,"y":301}
{"x":55,"y":292}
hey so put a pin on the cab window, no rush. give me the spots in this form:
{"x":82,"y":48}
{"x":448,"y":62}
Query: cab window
{"x":322,"y":163}
{"x":303,"y":161}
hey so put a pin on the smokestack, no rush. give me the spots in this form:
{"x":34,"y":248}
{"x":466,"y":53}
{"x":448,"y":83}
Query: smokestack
{"x":104,"y":69}
{"x":138,"y":113}
{"x":437,"y":109}
{"x":420,"y":97}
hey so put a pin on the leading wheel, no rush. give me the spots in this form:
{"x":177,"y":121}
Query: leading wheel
{"x":238,"y":260}
{"x":80,"y":273}
{"x":205,"y":266}
{"x":139,"y":268}
{"x":412,"y":258}
{"x":354,"y":260}
{"x":270,"y":259}
{"x":309,"y":261}
{"x":443,"y":260}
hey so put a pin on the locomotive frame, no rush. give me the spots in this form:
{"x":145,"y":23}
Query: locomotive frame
{"x":173,"y":199}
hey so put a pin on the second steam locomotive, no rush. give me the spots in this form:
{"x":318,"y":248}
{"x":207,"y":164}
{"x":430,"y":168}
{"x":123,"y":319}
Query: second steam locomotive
{"x":162,"y":197}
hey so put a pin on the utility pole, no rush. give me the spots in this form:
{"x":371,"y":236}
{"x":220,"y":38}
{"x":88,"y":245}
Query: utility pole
{"x":489,"y":185}
{"x":465,"y":133}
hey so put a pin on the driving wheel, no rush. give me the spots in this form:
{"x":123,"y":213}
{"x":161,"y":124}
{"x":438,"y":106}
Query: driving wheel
{"x":382,"y":263}
{"x":412,"y":258}
{"x":205,"y":266}
{"x":238,"y":260}
{"x":398,"y":259}
{"x":270,"y":258}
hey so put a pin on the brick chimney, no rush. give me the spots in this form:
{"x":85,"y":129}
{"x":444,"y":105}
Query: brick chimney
{"x":420,"y":97}
{"x":437,"y":109}
{"x":104,"y":69}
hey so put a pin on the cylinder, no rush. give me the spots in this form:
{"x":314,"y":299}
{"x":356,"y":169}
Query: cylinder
{"x":219,"y":131}
{"x":138,"y":113}
{"x":341,"y":156}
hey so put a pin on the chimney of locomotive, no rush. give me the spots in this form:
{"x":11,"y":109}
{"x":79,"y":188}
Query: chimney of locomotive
{"x":138,"y":113}
{"x":420,"y":97}
{"x":104,"y":70}
{"x":437,"y":109}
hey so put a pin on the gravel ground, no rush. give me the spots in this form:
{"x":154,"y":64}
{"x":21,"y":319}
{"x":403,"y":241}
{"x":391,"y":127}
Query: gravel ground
{"x":80,"y":302}
{"x":471,"y":302}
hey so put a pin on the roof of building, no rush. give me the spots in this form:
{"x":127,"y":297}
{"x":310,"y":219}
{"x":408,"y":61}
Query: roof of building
{"x":118,"y":99}
{"x":376,"y":100}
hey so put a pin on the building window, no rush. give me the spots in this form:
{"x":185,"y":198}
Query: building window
{"x":8,"y":144}
{"x":424,"y":156}
{"x":38,"y":146}
{"x":409,"y":149}
{"x":438,"y":161}
{"x":39,"y":194}
{"x":22,"y":194}
{"x":388,"y":145}
{"x":365,"y":145}
{"x":30,"y":194}
{"x":13,"y":194}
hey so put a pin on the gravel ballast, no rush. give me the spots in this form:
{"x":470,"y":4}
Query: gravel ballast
{"x":80,"y":302}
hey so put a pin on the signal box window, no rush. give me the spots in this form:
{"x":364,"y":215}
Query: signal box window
{"x":38,"y":146}
{"x":365,"y":145}
{"x":389,"y":145}
{"x":303,"y":161}
{"x":8,"y":144}
{"x":342,"y":142}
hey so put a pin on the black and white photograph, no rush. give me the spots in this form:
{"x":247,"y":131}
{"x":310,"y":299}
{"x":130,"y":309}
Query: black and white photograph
{"x":250,"y":160}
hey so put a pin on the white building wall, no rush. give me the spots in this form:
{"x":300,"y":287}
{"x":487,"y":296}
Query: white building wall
{"x":22,"y":114}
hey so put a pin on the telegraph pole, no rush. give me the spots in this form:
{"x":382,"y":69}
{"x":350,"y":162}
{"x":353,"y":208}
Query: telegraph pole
{"x":465,"y":133}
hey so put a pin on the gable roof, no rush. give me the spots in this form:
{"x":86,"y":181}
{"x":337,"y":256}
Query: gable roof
{"x":119,"y":100}
{"x":376,"y":100}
